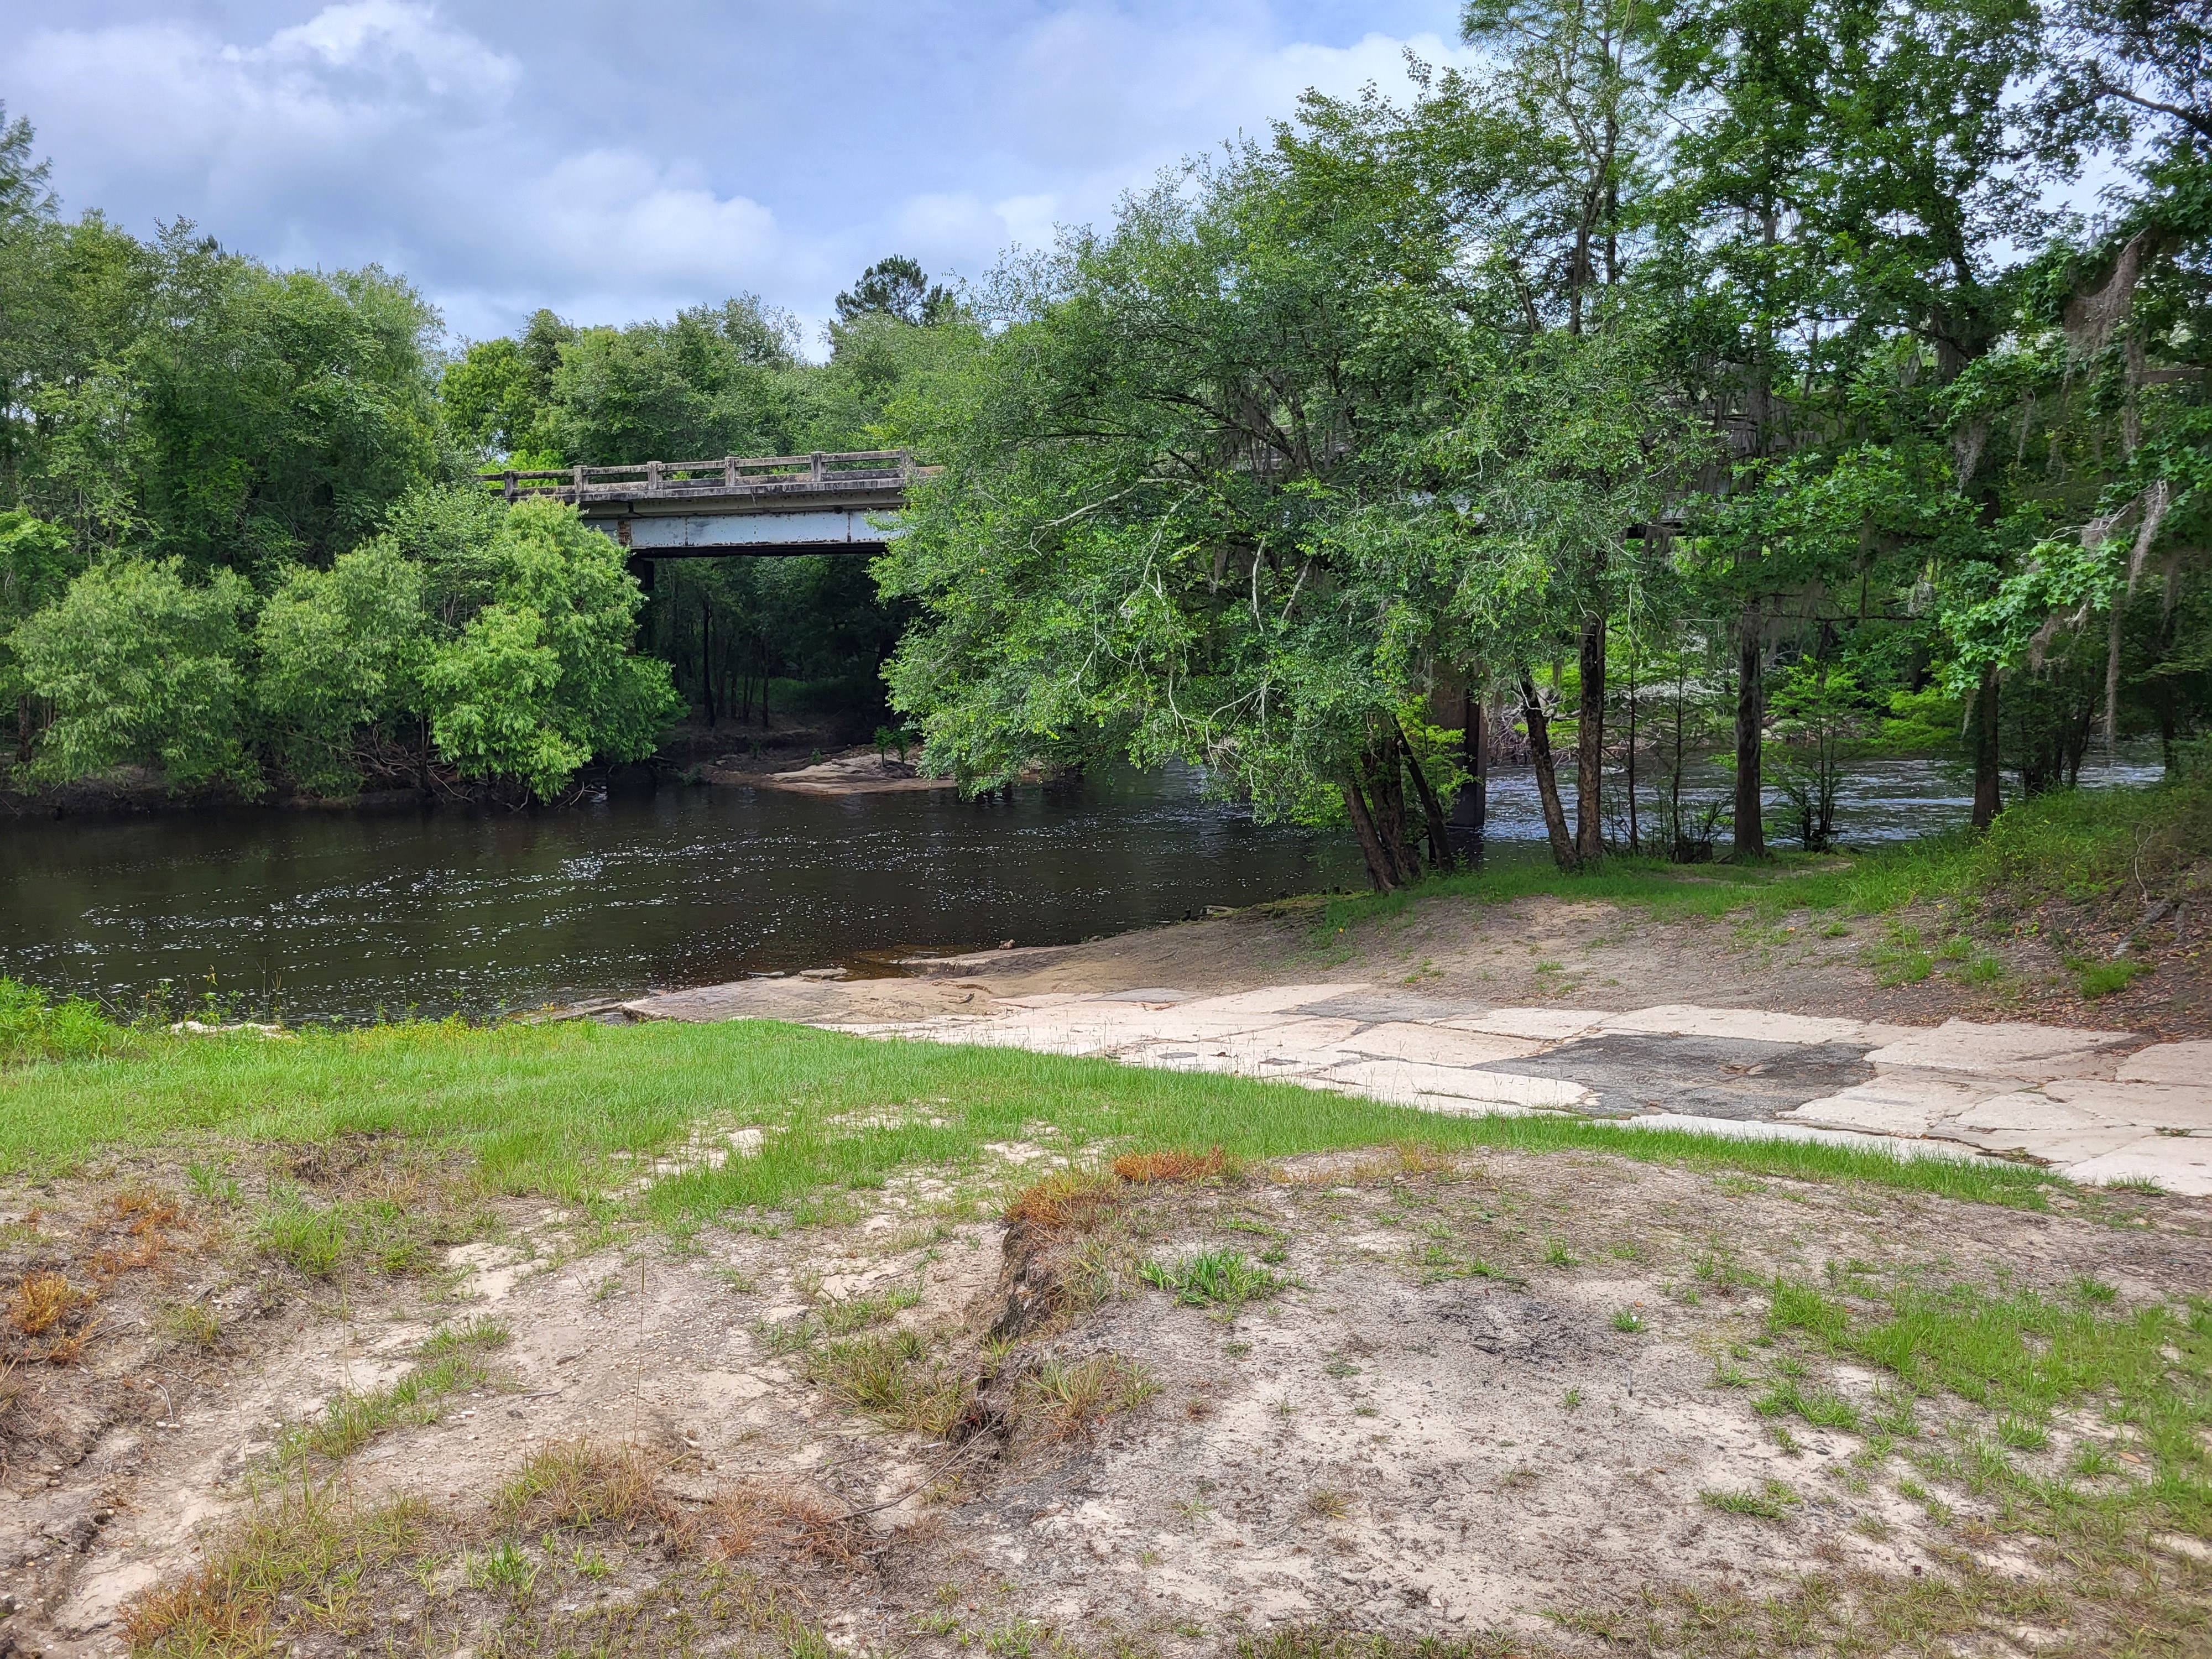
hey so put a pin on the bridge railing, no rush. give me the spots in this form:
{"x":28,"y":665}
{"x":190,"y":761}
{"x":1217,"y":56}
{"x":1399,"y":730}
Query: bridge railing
{"x":883,"y":469}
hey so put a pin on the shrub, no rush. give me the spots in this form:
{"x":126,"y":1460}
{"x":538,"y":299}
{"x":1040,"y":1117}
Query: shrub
{"x":33,"y":1026}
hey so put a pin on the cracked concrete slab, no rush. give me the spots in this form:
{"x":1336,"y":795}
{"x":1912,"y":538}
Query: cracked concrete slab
{"x":1408,"y":1083}
{"x":2155,"y":1106}
{"x":2183,"y":1165}
{"x":2060,"y":1095}
{"x":1901,"y":1103}
{"x":1632,"y":1072}
{"x":2032,"y":1052}
{"x":1547,"y":1025}
{"x":1752,"y":1026}
{"x":2186,"y":1063}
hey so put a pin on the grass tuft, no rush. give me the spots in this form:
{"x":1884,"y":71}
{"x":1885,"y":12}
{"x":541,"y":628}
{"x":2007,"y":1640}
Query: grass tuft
{"x":1769,"y":1503}
{"x":893,"y":1376}
{"x":1221,"y":1276}
{"x":42,"y":1301}
{"x":579,"y":1486}
{"x":1066,"y":1200}
{"x":1073,"y":1396}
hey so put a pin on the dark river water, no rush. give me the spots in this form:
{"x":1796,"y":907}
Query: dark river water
{"x":342,"y":914}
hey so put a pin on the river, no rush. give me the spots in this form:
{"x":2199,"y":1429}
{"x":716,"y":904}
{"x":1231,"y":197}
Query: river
{"x":344,"y":915}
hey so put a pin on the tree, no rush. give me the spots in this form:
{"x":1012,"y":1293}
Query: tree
{"x":36,"y":565}
{"x":896,"y":287}
{"x":1852,"y":179}
{"x":24,"y":198}
{"x":142,"y":664}
{"x":539,"y":679}
{"x":340,"y":654}
{"x":713,"y":382}
{"x":1173,"y":517}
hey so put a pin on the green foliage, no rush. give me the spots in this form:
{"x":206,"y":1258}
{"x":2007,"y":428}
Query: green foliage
{"x":896,"y":287}
{"x":712,"y":382}
{"x":2104,"y":978}
{"x":1223,"y":1277}
{"x":508,"y":635}
{"x":340,"y":654}
{"x":36,"y":564}
{"x":172,"y":396}
{"x":33,"y":1026}
{"x":540,"y":679}
{"x":143,"y":663}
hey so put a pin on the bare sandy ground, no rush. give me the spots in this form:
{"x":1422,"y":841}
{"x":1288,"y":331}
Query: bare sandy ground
{"x":1603,"y":955}
{"x":1514,"y":1401}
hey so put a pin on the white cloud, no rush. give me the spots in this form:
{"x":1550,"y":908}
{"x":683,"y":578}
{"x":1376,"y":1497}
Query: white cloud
{"x":613,"y":214}
{"x":553,"y":165}
{"x":171,"y":102}
{"x":1100,"y":102}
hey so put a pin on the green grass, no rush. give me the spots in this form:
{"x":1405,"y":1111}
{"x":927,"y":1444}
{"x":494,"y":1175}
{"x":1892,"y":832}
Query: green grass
{"x":2076,"y":845}
{"x":1769,"y":1503}
{"x":2026,"y":1356}
{"x":2102,"y":979}
{"x":1222,"y":1277}
{"x":33,"y":1026}
{"x":570,"y":1110}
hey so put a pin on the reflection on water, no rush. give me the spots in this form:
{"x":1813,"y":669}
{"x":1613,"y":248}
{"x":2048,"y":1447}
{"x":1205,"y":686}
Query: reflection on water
{"x":1893,"y":798}
{"x":339,"y":914}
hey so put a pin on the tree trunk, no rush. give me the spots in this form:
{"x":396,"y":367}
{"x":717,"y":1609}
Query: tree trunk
{"x":1589,"y":745}
{"x":1635,"y":837}
{"x":1472,"y":805}
{"x":1548,"y":784}
{"x":1750,"y":727}
{"x":1379,"y":871}
{"x":1440,"y":846}
{"x":1386,"y":796}
{"x":1988,"y":801}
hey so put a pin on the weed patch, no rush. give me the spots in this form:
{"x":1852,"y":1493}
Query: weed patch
{"x":306,"y":1538}
{"x":893,"y":1376}
{"x":1769,"y":1503}
{"x":2024,"y":1355}
{"x":451,"y":1362}
{"x":579,"y":1486}
{"x":1220,"y":1277}
{"x":1073,"y":1396}
{"x":1066,"y":1200}
{"x":1142,"y":1168}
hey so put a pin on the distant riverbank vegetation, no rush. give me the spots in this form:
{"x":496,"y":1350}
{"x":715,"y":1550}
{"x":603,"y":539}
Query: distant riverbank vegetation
{"x":1697,"y":378}
{"x":244,"y":545}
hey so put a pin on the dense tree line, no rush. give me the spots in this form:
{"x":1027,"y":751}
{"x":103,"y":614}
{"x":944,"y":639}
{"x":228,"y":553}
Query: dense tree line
{"x":1739,"y":376}
{"x":1707,"y":364}
{"x":243,"y":540}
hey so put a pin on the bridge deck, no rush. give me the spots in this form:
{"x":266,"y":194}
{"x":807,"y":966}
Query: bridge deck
{"x":873,"y":477}
{"x":761,"y":506}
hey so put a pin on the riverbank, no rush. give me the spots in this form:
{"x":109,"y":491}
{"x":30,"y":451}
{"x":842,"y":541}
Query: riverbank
{"x":2077,"y":909}
{"x":675,"y":1337}
{"x":663,"y":1339}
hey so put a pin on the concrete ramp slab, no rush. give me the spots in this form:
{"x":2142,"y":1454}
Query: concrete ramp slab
{"x":2033,"y":1052}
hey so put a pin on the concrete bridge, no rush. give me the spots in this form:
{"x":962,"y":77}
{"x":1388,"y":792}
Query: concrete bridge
{"x":770,"y":506}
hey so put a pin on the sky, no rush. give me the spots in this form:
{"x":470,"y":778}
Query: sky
{"x":618,"y":161}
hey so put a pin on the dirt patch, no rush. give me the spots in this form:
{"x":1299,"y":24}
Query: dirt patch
{"x":1600,"y":956}
{"x":1526,"y":1401}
